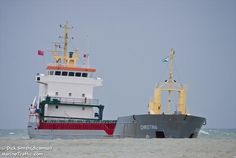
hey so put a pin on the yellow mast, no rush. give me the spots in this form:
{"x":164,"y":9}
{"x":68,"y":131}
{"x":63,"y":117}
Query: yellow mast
{"x":70,"y":60}
{"x":172,"y":53}
{"x":66,"y":30}
{"x":170,"y":81}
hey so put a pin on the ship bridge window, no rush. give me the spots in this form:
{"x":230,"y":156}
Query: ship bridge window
{"x":58,"y":73}
{"x":51,"y":72}
{"x":84,"y":74}
{"x":71,"y":74}
{"x":64,"y":73}
{"x":78,"y":74}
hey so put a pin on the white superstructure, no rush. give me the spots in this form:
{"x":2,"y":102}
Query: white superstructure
{"x":68,"y":83}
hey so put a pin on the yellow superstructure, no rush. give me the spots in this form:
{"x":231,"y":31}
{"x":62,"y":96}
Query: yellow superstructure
{"x":170,"y":85}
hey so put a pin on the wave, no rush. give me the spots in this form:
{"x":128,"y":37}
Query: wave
{"x":218,"y":133}
{"x":204,"y":132}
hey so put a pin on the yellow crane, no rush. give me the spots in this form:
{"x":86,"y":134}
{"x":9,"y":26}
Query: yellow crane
{"x":170,"y":85}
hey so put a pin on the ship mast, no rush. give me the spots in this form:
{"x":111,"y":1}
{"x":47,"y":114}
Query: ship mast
{"x":170,"y":81}
{"x":66,"y":30}
{"x":154,"y":106}
{"x":69,"y":59}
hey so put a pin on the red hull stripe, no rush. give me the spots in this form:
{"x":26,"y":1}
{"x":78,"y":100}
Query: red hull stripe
{"x":107,"y":127}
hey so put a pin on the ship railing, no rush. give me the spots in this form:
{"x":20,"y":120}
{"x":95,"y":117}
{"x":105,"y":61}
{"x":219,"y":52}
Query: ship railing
{"x":85,"y":101}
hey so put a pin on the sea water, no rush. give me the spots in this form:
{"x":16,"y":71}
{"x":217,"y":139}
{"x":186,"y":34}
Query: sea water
{"x":211,"y":143}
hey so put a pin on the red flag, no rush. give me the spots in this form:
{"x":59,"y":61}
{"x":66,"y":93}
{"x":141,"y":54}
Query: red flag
{"x":41,"y":52}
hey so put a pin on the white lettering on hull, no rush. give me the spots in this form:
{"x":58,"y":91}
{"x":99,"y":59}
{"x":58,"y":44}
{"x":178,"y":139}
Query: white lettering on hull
{"x":148,"y":127}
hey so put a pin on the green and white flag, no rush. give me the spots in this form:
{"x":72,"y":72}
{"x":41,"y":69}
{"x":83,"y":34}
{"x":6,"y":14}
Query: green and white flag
{"x":165,"y":60}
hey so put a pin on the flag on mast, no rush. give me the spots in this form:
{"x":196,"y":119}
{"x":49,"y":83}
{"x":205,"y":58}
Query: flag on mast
{"x":41,"y":52}
{"x":165,"y":60}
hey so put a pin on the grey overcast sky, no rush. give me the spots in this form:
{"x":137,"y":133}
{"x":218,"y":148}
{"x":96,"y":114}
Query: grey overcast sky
{"x":126,"y":40}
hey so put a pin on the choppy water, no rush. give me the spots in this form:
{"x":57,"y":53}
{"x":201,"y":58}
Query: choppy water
{"x":211,"y":143}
